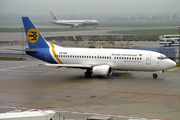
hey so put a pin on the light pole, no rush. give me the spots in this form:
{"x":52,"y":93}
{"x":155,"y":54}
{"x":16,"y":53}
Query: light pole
{"x":179,"y":44}
{"x":22,"y":41}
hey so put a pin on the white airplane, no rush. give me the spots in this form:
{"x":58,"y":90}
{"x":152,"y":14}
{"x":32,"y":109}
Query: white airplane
{"x":96,"y":61}
{"x":73,"y":23}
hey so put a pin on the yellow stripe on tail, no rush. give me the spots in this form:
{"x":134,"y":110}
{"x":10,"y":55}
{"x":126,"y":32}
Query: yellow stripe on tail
{"x":54,"y":53}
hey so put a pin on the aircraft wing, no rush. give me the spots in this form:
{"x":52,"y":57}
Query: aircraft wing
{"x":69,"y":65}
{"x":72,"y":23}
{"x":82,"y":66}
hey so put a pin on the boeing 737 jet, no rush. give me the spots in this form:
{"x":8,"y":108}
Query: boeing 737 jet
{"x":101,"y":62}
{"x":73,"y":23}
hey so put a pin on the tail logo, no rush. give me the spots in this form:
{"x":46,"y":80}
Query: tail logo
{"x":32,"y":35}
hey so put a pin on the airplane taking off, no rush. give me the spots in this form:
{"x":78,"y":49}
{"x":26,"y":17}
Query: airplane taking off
{"x":73,"y":23}
{"x":98,"y":61}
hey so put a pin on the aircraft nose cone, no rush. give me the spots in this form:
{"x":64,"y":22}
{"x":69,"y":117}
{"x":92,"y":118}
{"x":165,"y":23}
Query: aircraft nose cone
{"x":172,"y":63}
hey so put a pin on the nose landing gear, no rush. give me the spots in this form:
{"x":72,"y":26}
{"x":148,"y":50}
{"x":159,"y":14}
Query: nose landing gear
{"x":155,"y":75}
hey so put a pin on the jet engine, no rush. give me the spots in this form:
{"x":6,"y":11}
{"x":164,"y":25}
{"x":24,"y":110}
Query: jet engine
{"x":102,"y":70}
{"x":76,"y":25}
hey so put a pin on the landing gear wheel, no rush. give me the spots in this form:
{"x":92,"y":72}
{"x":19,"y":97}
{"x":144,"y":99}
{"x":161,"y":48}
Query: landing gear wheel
{"x":155,"y":75}
{"x":88,"y":74}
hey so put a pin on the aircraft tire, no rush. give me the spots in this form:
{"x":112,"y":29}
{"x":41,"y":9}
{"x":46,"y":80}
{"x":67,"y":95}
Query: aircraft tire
{"x":155,"y":75}
{"x":87,"y":74}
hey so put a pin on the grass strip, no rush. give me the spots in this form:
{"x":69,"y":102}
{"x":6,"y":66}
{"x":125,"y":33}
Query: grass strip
{"x":11,"y":59}
{"x":4,"y":30}
{"x":178,"y":64}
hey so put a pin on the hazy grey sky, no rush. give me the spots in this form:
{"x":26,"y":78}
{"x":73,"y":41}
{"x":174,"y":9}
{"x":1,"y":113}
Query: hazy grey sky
{"x":43,"y":7}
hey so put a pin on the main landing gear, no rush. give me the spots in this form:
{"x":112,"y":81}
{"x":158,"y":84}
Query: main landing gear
{"x":88,"y":73}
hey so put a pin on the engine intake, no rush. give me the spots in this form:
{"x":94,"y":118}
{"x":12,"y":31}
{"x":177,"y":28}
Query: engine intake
{"x":102,"y":70}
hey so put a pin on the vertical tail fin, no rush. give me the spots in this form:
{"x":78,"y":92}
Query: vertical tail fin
{"x":54,"y":18}
{"x":34,"y":37}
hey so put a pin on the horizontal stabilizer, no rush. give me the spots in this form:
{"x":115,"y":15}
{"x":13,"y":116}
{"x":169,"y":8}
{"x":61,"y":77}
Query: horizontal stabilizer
{"x":26,"y":50}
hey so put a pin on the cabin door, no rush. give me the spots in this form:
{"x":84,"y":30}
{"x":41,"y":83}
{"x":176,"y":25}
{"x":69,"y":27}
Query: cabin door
{"x":148,"y":59}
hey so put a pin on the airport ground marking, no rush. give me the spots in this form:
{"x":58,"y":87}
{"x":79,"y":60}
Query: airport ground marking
{"x":84,"y":113}
{"x":173,"y":69}
{"x":16,"y":67}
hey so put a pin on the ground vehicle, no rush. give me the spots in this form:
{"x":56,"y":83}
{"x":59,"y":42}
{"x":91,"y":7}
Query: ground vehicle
{"x":169,"y":40}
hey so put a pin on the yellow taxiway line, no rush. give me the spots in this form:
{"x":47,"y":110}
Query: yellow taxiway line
{"x":173,"y":69}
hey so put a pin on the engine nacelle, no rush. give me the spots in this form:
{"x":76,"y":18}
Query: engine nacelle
{"x":76,"y":25}
{"x":102,"y":70}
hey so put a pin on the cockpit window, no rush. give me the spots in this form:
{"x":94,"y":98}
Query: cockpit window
{"x":162,"y":57}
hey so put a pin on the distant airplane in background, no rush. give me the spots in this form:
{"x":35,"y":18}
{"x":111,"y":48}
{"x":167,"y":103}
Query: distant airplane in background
{"x":73,"y":23}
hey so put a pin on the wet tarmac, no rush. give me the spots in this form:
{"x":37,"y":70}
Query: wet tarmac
{"x":25,"y":85}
